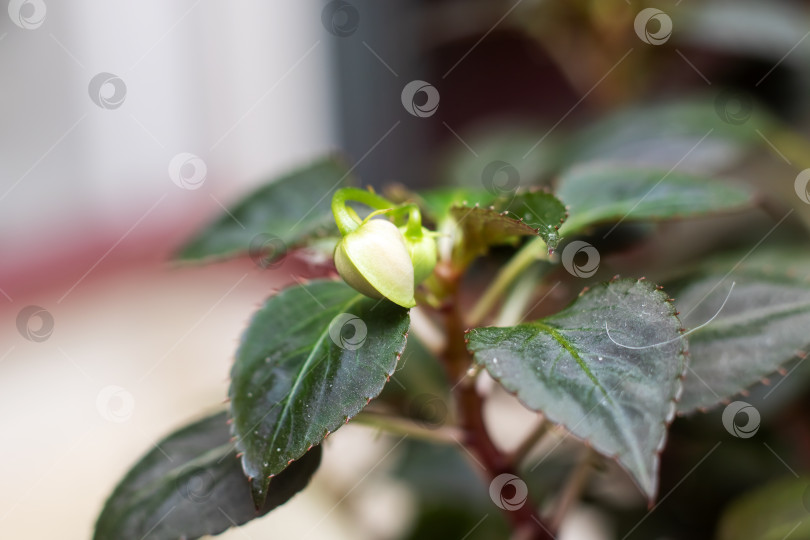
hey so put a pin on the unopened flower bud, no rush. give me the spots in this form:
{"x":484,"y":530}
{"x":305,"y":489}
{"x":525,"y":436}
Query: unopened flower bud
{"x":374,"y":260}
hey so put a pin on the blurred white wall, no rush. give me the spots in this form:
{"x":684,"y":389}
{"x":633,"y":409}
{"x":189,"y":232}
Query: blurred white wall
{"x":88,"y":210}
{"x":244,"y":85}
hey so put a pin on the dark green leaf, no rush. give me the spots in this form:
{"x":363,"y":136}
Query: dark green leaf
{"x":440,"y":472}
{"x":441,"y":520}
{"x":691,"y":135}
{"x":528,"y":214}
{"x":540,"y":210}
{"x":312,"y":357}
{"x":765,"y":31}
{"x":515,"y":147}
{"x":438,"y":202}
{"x":419,"y":389}
{"x":281,"y":215}
{"x":601,"y":193}
{"x":566,"y":366}
{"x":763,"y":325}
{"x":451,"y":497}
{"x":191,"y":485}
{"x":777,"y":511}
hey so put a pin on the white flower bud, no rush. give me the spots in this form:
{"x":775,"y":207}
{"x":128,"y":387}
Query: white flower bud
{"x":374,"y":260}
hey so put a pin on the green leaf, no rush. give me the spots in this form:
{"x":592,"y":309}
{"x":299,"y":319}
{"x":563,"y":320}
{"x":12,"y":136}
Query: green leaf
{"x":419,"y":390}
{"x":602,"y":193}
{"x":439,"y":473}
{"x":191,"y":485}
{"x":691,"y":135}
{"x":542,"y":211}
{"x":451,"y":497}
{"x":510,"y":145}
{"x":528,"y":214}
{"x":441,"y":520}
{"x":776,"y":511}
{"x":747,"y":28}
{"x":619,"y":399}
{"x":281,"y":215}
{"x":763,"y":325}
{"x":438,"y":202}
{"x":312,"y":357}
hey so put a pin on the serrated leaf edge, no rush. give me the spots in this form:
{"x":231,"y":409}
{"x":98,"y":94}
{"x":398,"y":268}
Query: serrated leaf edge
{"x":310,"y":444}
{"x":673,"y":401}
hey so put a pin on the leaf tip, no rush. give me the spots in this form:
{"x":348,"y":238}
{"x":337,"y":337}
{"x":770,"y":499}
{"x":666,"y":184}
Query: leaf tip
{"x":258,"y":492}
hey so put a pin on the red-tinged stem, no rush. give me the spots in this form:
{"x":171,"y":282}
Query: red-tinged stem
{"x":525,"y":521}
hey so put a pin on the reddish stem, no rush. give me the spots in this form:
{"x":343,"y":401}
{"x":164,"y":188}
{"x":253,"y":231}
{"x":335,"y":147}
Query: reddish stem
{"x":457,"y":360}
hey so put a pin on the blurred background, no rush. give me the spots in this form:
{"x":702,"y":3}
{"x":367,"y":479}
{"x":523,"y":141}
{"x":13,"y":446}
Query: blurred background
{"x":127,"y":126}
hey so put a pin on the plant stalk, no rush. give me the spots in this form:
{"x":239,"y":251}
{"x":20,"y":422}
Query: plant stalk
{"x":532,"y":251}
{"x":403,"y":426}
{"x":516,"y":305}
{"x":574,"y":487}
{"x":525,"y":520}
{"x":528,"y":444}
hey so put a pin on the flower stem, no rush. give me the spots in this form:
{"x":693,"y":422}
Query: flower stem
{"x":403,"y":426}
{"x":346,"y":219}
{"x":528,"y":444}
{"x":515,"y":306}
{"x":574,"y":487}
{"x":532,"y":251}
{"x":414,"y":227}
